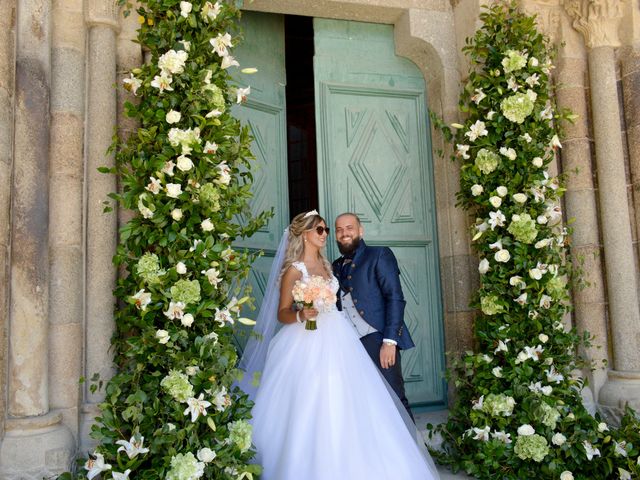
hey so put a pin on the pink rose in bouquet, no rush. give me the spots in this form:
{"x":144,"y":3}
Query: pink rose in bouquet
{"x":317,"y":293}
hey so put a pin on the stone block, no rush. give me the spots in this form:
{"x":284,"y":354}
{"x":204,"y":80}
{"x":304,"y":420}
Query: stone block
{"x":67,"y":144}
{"x":7,"y":43}
{"x":65,"y":285}
{"x":448,"y":283}
{"x":631,"y":98}
{"x":630,"y":63}
{"x":466,"y":281}
{"x":576,"y":164}
{"x":67,"y":80}
{"x":580,"y":205}
{"x":633,"y":142}
{"x":571,"y":72}
{"x":590,"y":259}
{"x":65,"y":365}
{"x":574,"y":98}
{"x":69,"y":26}
{"x":65,"y":210}
{"x":6,"y":129}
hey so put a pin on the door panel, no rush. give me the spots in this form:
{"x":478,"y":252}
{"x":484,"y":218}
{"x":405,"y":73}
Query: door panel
{"x":265,"y":113}
{"x":374,"y":159}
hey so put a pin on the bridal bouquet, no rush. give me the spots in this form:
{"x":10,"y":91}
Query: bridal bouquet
{"x":317,"y":293}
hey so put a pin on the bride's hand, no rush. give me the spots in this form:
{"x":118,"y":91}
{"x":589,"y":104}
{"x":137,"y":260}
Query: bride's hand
{"x":308,"y":313}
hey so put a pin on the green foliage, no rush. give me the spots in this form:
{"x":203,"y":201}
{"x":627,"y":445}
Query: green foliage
{"x":518,"y":411}
{"x":169,"y":411}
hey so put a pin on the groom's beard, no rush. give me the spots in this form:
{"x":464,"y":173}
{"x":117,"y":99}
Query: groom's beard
{"x":349,"y":248}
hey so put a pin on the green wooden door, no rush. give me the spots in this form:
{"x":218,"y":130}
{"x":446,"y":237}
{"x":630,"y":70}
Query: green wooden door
{"x":265,"y":113}
{"x":374,"y":159}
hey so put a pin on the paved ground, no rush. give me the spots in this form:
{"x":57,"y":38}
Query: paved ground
{"x":435,"y":418}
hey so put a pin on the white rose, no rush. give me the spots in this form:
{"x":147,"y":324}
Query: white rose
{"x":495,"y":201}
{"x":173,"y":116}
{"x":192,"y":370}
{"x":206,"y":455}
{"x":526,"y":430}
{"x":207,"y":225}
{"x":566,"y":475}
{"x":546,"y":390}
{"x":502,"y":190}
{"x":184,"y":163}
{"x":176,"y":214}
{"x":476,"y":190}
{"x":533,"y":62}
{"x":543,"y":338}
{"x":162,"y":336}
{"x":174,"y":190}
{"x":483,"y":267}
{"x":535,"y":273}
{"x":537,"y":162}
{"x":181,"y":268}
{"x":519,"y":197}
{"x":502,"y":256}
{"x":558,"y":439}
{"x":185,"y":9}
{"x":542,"y":219}
{"x":602,"y":427}
{"x":187,"y":320}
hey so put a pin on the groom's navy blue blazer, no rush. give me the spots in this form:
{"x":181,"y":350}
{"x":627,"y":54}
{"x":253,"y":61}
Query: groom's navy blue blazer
{"x":373,"y":279}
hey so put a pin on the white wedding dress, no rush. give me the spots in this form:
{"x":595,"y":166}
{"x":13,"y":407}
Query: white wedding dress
{"x":323,"y":412}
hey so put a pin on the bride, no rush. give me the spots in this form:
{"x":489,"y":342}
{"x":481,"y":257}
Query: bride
{"x":322,"y":409}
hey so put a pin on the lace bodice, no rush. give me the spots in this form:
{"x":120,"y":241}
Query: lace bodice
{"x":302,"y":268}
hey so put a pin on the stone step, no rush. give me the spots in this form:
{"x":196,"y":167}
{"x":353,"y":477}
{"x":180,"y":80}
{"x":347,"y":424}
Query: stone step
{"x":435,"y":418}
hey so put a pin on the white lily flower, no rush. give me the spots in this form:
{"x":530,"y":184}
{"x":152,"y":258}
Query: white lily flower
{"x":162,"y":82}
{"x":132,"y":83}
{"x":154,"y":186}
{"x":502,"y":346}
{"x":510,"y":153}
{"x":223,"y":316}
{"x":168,"y":167}
{"x":142,"y":299}
{"x":242,"y":93}
{"x":522,"y":299}
{"x":547,"y":113}
{"x":553,"y":376}
{"x":227,"y":254}
{"x":477,"y":404}
{"x":461,"y":151}
{"x":496,"y":219}
{"x":213,"y":276}
{"x":221,"y":44}
{"x":497,"y":372}
{"x":95,"y":465}
{"x":221,"y":399}
{"x":533,"y":80}
{"x":502,"y":436}
{"x":175,"y":310}
{"x":624,"y":474}
{"x":620,"y":448}
{"x":478,"y":96}
{"x":490,"y":114}
{"x":555,"y":142}
{"x":215,"y":113}
{"x":512,"y":84}
{"x":196,"y":407}
{"x":210,"y":11}
{"x":229,"y":61}
{"x":516,"y":281}
{"x":481,"y":434}
{"x":133,"y":447}
{"x":590,"y":451}
{"x":196,"y":242}
{"x":478,"y":129}
{"x":121,"y":476}
{"x":210,"y":147}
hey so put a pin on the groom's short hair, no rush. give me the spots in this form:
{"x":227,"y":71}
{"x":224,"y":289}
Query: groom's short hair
{"x":350,"y":214}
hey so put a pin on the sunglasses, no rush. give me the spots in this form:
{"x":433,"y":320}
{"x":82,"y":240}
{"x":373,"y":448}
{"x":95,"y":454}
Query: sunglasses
{"x":320,"y":230}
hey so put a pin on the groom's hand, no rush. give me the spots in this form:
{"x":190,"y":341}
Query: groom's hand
{"x":387,"y":355}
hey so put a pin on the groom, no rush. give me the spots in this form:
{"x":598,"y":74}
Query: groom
{"x":371,"y":295}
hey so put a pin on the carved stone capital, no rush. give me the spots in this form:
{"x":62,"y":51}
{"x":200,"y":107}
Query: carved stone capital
{"x":597,"y":20}
{"x":103,"y":12}
{"x":548,"y":14}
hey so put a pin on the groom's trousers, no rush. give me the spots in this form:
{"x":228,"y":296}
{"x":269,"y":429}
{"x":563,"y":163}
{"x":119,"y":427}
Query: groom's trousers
{"x":393,"y":375}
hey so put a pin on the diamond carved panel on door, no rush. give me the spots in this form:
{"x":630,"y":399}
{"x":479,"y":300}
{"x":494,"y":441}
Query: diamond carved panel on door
{"x":374,"y":159}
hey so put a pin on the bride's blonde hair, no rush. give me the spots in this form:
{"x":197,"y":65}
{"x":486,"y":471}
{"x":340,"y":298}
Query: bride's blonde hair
{"x":295,"y":250}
